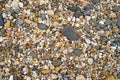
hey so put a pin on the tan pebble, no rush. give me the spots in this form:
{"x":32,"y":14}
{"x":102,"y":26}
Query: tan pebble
{"x":42,"y":2}
{"x":90,"y":61}
{"x":58,"y":44}
{"x":14,"y":4}
{"x":57,"y":69}
{"x":45,"y":71}
{"x":113,"y":15}
{"x":110,"y":78}
{"x":7,"y":24}
{"x":54,"y":76}
{"x":45,"y":67}
{"x":28,"y":21}
{"x":50,"y":12}
{"x":80,"y":77}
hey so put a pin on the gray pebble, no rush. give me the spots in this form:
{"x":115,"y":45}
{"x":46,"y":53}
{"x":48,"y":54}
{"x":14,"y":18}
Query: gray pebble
{"x":43,"y":16}
{"x":77,"y":14}
{"x":116,"y":8}
{"x":118,"y":75}
{"x":95,"y":1}
{"x":69,"y":32}
{"x":20,"y":21}
{"x":1,"y":20}
{"x":77,"y":52}
{"x":73,"y":8}
{"x":42,"y":26}
{"x":118,"y":22}
{"x":56,"y":62}
{"x":1,"y":0}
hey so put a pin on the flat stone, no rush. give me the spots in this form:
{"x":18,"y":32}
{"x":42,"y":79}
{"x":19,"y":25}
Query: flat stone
{"x":54,"y":76}
{"x":69,"y":32}
{"x":77,"y":14}
{"x":95,"y":1}
{"x":50,"y":12}
{"x":73,"y":8}
{"x":42,"y":26}
{"x":77,"y":52}
{"x":1,"y":20}
{"x":90,"y":61}
{"x":20,"y":21}
{"x":118,"y":22}
{"x":56,"y":62}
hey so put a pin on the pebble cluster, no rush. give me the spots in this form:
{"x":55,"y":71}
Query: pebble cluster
{"x":59,"y":39}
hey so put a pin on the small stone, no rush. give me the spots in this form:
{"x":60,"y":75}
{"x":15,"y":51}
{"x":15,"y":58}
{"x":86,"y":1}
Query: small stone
{"x":118,"y":75}
{"x":73,"y":8}
{"x":56,"y":62}
{"x":110,"y":77}
{"x":7,"y":24}
{"x":77,"y":14}
{"x":95,"y":1}
{"x":14,"y":4}
{"x":1,"y":0}
{"x":20,"y":4}
{"x":45,"y":71}
{"x":11,"y":77}
{"x":116,"y":8}
{"x":80,"y":77}
{"x":113,"y":15}
{"x":43,"y":16}
{"x":1,"y":20}
{"x":50,"y":12}
{"x":42,"y":26}
{"x":118,"y":22}
{"x":20,"y":21}
{"x":77,"y":52}
{"x":90,"y":61}
{"x":54,"y":76}
{"x":69,"y":32}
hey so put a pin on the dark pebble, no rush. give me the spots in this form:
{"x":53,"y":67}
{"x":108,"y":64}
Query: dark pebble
{"x":56,"y":62}
{"x":69,"y":32}
{"x":116,"y":8}
{"x":73,"y":8}
{"x":118,"y":75}
{"x":77,"y":52}
{"x":43,"y":16}
{"x":108,"y":22}
{"x":42,"y":26}
{"x":1,"y":20}
{"x":34,"y":68}
{"x":95,"y":1}
{"x":36,"y":4}
{"x":118,"y":22}
{"x":47,"y":57}
{"x":77,"y":14}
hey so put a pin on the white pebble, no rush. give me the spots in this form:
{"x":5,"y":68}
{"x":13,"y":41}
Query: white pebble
{"x":90,"y":61}
{"x":101,"y":22}
{"x":73,"y":19}
{"x":87,"y":41}
{"x":53,"y":76}
{"x":11,"y":77}
{"x":1,"y":38}
{"x":20,"y":4}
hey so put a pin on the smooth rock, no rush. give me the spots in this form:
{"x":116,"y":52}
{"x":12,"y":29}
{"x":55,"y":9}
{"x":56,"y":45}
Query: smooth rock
{"x":116,"y":8}
{"x":95,"y":1}
{"x":1,"y":20}
{"x":20,"y":21}
{"x":90,"y":61}
{"x":77,"y":14}
{"x":50,"y":12}
{"x":113,"y":15}
{"x":11,"y":77}
{"x":56,"y":62}
{"x":69,"y":32}
{"x":1,"y":39}
{"x":54,"y":76}
{"x":20,"y":4}
{"x":118,"y":22}
{"x":1,"y":0}
{"x":77,"y":52}
{"x":80,"y":77}
{"x":14,"y":4}
{"x":73,"y":8}
{"x":42,"y":26}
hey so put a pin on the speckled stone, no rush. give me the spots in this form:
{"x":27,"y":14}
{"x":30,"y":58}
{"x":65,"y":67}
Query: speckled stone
{"x":20,"y":21}
{"x":56,"y":62}
{"x":69,"y":32}
{"x":118,"y":22}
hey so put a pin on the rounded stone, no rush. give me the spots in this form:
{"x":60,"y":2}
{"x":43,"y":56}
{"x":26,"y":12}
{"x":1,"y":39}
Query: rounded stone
{"x":80,"y":77}
{"x":20,"y":21}
{"x":42,"y":26}
{"x":113,"y":15}
{"x":90,"y":61}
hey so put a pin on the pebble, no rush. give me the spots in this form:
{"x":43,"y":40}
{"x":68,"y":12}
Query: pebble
{"x":20,"y":21}
{"x":42,"y":26}
{"x":69,"y":32}
{"x":73,"y":8}
{"x":7,"y":24}
{"x":14,"y":4}
{"x":77,"y":14}
{"x":54,"y":76}
{"x":118,"y":75}
{"x":113,"y":15}
{"x":56,"y":62}
{"x":118,"y":22}
{"x":20,"y":4}
{"x":80,"y":77}
{"x":1,"y":20}
{"x":50,"y":12}
{"x":1,"y":0}
{"x":95,"y":1}
{"x":11,"y":77}
{"x":116,"y":8}
{"x":90,"y":61}
{"x":77,"y":52}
